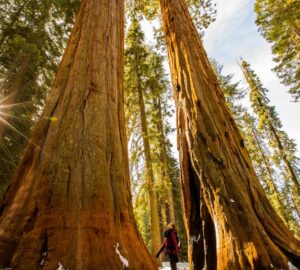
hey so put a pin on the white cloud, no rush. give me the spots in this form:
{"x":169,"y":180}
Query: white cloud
{"x":230,"y":15}
{"x":234,"y":34}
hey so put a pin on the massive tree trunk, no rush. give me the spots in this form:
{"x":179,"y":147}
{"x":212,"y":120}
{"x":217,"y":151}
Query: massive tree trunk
{"x":69,"y":202}
{"x":230,"y":222}
{"x":154,"y":218}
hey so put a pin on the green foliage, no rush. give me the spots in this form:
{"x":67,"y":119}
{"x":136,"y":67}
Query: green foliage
{"x":269,"y":121}
{"x":136,"y":69}
{"x":279,"y":23}
{"x":270,"y":174}
{"x":144,"y":69}
{"x":276,"y":189}
{"x":203,"y":12}
{"x":281,"y":149}
{"x":32,"y":38}
{"x":232,"y":92}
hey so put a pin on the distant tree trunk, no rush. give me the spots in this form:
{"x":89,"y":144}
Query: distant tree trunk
{"x":70,"y":201}
{"x":230,"y":222}
{"x":163,"y":213}
{"x":270,"y":183}
{"x":286,"y":161}
{"x":154,"y":218}
{"x":169,"y":200}
{"x":269,"y":122}
{"x":284,"y":158}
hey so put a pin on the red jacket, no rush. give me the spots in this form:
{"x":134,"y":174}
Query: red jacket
{"x":170,"y":242}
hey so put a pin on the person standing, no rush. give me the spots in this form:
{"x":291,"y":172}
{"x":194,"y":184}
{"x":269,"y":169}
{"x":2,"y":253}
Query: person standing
{"x":171,"y":245}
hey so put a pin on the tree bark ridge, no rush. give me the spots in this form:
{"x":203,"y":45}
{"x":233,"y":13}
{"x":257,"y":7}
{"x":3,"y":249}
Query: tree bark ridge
{"x":70,"y":208}
{"x":248,"y":233}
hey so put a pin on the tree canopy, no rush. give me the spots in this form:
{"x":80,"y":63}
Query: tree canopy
{"x":279,"y":23}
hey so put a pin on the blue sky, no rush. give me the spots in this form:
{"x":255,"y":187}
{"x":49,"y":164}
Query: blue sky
{"x":234,"y":34}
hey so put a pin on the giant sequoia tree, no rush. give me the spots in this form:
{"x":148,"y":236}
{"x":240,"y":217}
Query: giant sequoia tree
{"x":69,"y":202}
{"x":230,"y":222}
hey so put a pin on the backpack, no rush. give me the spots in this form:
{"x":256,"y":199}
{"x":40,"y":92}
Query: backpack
{"x":167,"y":234}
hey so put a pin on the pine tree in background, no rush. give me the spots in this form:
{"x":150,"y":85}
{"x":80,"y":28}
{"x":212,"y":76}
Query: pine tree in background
{"x":279,"y":23}
{"x":269,"y":174}
{"x":233,"y":93}
{"x":282,"y":147}
{"x":166,"y":164}
{"x":159,"y":111}
{"x":135,"y":92}
{"x":179,"y":217}
{"x":156,"y":97}
{"x":259,"y":152}
{"x":32,"y":38}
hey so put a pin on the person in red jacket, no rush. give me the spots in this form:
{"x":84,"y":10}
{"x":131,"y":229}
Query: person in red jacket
{"x":171,"y":245}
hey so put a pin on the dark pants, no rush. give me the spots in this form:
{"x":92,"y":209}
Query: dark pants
{"x":173,"y":261}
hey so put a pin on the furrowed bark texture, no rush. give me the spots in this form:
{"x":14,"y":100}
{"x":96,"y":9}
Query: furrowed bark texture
{"x":230,"y":222}
{"x":70,"y":199}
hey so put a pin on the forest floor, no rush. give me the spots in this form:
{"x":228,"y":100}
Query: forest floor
{"x":180,"y":266}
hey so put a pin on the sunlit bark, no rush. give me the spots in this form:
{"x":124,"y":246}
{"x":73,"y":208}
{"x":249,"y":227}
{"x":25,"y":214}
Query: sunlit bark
{"x":70,"y":201}
{"x":230,"y":222}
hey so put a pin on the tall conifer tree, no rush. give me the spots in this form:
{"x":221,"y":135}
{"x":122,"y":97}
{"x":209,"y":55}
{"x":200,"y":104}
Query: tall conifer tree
{"x":284,"y":148}
{"x":279,"y":23}
{"x":135,"y":87}
{"x":269,"y":174}
{"x":259,"y":152}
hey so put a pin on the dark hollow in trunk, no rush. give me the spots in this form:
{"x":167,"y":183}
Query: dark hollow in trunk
{"x":216,"y":171}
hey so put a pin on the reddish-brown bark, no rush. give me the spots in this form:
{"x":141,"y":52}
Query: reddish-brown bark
{"x":230,"y":222}
{"x":70,"y":201}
